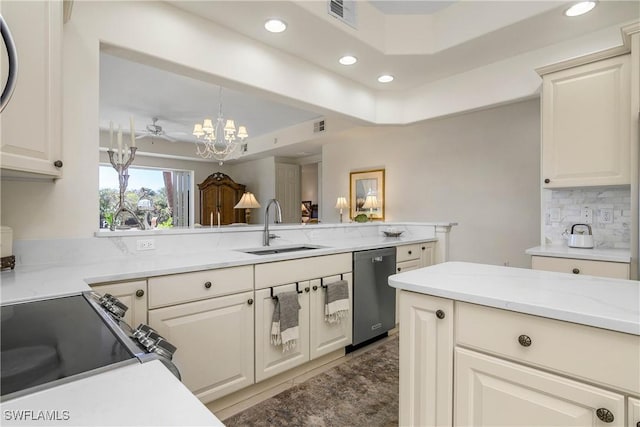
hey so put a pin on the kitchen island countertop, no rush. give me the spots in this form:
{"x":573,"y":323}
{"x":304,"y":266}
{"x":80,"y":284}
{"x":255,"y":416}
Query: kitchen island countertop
{"x":612,"y":304}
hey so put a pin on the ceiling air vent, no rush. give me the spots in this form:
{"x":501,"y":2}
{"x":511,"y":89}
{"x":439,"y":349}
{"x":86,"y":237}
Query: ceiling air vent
{"x":344,"y":10}
{"x":318,"y":126}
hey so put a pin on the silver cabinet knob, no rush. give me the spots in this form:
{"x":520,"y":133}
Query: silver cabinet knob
{"x":524,"y":340}
{"x":605,"y":415}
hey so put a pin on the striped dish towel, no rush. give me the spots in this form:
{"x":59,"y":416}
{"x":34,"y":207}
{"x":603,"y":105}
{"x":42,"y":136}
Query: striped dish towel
{"x":284,"y":323}
{"x":336,"y":306}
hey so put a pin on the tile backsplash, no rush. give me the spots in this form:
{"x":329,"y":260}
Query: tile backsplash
{"x":610,"y":207}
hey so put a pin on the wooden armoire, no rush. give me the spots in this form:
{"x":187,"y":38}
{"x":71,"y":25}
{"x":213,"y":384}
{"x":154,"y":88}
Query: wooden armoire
{"x":219,"y":193}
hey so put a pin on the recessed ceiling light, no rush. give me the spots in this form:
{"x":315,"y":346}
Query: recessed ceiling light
{"x":385,"y":78}
{"x":580,"y":8}
{"x":275,"y":25}
{"x":348,"y":60}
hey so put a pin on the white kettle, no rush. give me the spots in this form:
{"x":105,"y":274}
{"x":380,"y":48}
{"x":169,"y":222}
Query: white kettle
{"x":578,"y":239}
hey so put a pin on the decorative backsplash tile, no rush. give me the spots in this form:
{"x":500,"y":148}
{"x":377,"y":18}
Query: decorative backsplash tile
{"x":610,"y":207}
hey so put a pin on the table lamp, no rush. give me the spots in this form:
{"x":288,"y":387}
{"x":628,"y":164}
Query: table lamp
{"x":247,"y":202}
{"x":341,"y":203}
{"x":371,"y":203}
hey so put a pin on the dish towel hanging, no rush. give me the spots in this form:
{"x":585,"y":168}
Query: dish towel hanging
{"x":284,"y":324}
{"x":336,"y":305}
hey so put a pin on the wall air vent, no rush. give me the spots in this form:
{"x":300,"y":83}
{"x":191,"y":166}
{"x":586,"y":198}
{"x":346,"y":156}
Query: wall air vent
{"x":318,"y":126}
{"x":344,"y":10}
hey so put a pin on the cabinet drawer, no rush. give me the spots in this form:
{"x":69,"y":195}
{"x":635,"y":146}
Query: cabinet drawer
{"x":614,"y":270}
{"x":179,"y":288}
{"x":407,"y":252}
{"x":401,"y":267}
{"x":607,"y":357}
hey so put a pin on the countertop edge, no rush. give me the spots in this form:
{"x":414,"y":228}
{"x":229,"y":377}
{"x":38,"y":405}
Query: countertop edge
{"x":608,"y":255}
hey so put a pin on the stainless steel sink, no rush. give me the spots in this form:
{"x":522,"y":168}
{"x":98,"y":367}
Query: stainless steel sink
{"x":284,"y":250}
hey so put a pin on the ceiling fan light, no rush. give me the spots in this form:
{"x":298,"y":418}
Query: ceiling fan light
{"x":275,"y":25}
{"x":580,"y":8}
{"x":207,"y":126}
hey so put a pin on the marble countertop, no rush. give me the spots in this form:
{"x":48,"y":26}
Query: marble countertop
{"x":50,"y":280}
{"x":115,"y":397}
{"x":595,"y":254}
{"x":131,"y":395}
{"x":595,"y":301}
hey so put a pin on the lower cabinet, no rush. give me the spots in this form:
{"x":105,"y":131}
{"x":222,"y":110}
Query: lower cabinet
{"x":214,"y":338}
{"x":426,"y":334}
{"x":466,"y":364}
{"x":131,"y":294}
{"x":316,"y":336}
{"x":412,"y":257}
{"x":492,"y":391}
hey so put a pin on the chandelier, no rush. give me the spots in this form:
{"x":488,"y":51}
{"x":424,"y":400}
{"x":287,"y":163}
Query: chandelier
{"x":220,"y":141}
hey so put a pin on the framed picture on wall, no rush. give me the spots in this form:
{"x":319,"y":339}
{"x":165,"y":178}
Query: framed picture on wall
{"x":366,"y":194}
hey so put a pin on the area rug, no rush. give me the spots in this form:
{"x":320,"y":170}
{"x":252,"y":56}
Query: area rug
{"x":360,"y":392}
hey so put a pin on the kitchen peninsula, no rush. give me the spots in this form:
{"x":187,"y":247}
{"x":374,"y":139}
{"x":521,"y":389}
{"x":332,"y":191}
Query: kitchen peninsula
{"x":170,"y":278}
{"x":489,"y":345}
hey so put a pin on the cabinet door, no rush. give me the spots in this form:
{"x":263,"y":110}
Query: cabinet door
{"x":214,"y":338}
{"x":326,"y":337}
{"x":494,"y":392}
{"x":633,"y":419}
{"x":427,"y":254}
{"x":426,"y":360}
{"x":270,"y":359}
{"x":31,"y":132}
{"x":131,"y":294}
{"x":586,"y":121}
{"x":402,"y":267}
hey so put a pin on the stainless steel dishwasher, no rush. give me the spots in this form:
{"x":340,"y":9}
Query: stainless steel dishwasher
{"x":374,"y":301}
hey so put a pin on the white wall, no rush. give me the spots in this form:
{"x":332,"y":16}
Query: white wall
{"x":260,"y":178}
{"x":480,"y":169}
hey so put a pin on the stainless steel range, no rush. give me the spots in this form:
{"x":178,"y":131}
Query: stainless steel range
{"x":52,"y":341}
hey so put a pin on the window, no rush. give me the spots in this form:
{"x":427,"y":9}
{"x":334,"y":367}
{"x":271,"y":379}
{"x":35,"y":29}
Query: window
{"x":159,"y":198}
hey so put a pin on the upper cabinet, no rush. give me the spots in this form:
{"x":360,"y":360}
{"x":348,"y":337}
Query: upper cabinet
{"x":31,"y":124}
{"x":586,"y":123}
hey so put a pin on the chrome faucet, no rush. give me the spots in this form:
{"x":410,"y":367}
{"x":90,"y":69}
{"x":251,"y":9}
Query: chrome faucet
{"x":266,"y":238}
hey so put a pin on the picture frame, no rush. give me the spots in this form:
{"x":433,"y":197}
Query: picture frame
{"x":367,"y":194}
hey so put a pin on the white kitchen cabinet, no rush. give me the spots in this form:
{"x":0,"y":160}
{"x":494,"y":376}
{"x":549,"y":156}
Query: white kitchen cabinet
{"x":326,"y":337}
{"x":633,"y":418}
{"x":490,"y":392}
{"x":412,"y":257}
{"x":426,"y":378}
{"x":316,"y":336}
{"x":31,"y":124}
{"x":131,"y":294}
{"x":270,"y":359}
{"x":500,"y":367}
{"x":214,"y":340}
{"x":614,"y":270}
{"x":586,"y":122}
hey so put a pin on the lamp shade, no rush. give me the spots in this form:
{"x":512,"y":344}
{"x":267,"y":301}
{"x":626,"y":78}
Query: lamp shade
{"x":371,"y":202}
{"x":341,"y":203}
{"x":247,"y":201}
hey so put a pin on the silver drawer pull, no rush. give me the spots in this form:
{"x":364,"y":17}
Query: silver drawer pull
{"x":524,"y":340}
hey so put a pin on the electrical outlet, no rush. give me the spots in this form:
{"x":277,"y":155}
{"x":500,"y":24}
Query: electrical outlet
{"x":606,"y":215}
{"x":586,"y":215}
{"x":145,"y":244}
{"x":555,"y":214}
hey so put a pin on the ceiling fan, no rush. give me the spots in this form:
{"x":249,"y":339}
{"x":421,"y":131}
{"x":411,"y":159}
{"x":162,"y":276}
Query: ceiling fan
{"x":154,"y":130}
